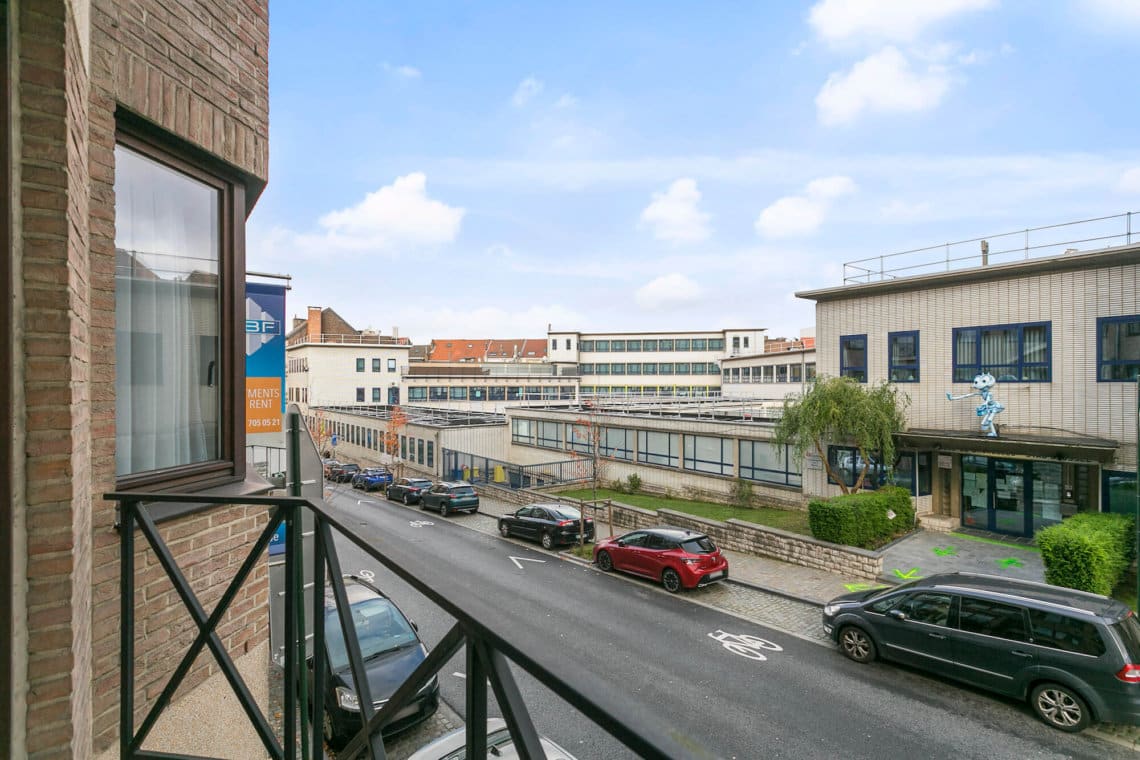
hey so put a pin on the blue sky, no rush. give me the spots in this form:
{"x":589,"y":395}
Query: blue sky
{"x":481,"y":169}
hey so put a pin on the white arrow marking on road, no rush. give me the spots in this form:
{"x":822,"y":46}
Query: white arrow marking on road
{"x":459,"y":675}
{"x":516,"y":560}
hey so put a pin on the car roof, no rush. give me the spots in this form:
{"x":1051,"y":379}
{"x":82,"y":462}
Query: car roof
{"x":452,"y":741}
{"x":453,"y":483}
{"x":553,"y":505}
{"x":677,"y":534}
{"x":356,"y":589}
{"x":1041,"y":595}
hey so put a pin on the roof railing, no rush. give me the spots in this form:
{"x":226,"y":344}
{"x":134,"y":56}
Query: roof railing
{"x":1003,"y":248}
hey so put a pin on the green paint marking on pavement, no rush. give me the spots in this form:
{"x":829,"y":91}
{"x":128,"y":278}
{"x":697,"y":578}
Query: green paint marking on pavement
{"x":945,"y":551}
{"x":908,"y":575}
{"x":862,"y":586}
{"x":1009,"y":562}
{"x":995,"y":542}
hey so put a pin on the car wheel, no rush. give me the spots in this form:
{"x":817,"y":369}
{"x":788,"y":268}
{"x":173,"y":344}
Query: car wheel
{"x":504,"y":530}
{"x":408,"y":499}
{"x":335,"y":740}
{"x":547,"y":541}
{"x":670,"y":580}
{"x":857,"y":644}
{"x":1060,"y":707}
{"x":605,"y":562}
{"x":444,"y":510}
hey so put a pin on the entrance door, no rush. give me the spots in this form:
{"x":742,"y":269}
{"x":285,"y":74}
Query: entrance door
{"x":993,"y":495}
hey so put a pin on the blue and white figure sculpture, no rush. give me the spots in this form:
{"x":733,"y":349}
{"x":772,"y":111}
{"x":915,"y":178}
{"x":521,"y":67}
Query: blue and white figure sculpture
{"x":989,"y":406}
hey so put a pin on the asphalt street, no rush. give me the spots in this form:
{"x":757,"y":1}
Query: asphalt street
{"x":717,"y":682}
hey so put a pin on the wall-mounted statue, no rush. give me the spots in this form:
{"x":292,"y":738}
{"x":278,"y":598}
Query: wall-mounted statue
{"x":989,"y":406}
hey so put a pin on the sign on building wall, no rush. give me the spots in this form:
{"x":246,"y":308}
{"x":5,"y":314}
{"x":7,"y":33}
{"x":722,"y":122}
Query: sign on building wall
{"x":264,"y":364}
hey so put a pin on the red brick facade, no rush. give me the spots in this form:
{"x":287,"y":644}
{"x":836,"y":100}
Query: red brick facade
{"x":198,"y":70}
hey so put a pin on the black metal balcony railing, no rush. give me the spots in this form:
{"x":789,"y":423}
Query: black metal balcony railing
{"x":488,"y":646}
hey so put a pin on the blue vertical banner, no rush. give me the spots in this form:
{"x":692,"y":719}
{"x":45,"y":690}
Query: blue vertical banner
{"x":264,"y":364}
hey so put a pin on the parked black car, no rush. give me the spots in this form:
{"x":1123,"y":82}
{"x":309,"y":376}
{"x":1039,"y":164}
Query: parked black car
{"x":1075,"y":656}
{"x":551,"y":524}
{"x":391,"y":649}
{"x":450,"y":496}
{"x":407,"y":490}
{"x":344,"y":473}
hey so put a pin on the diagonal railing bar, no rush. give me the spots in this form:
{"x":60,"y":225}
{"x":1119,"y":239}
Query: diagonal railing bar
{"x":513,"y":707}
{"x":211,"y":625}
{"x":198,"y":614}
{"x":476,"y":699}
{"x":352,"y":642}
{"x":431,"y":665}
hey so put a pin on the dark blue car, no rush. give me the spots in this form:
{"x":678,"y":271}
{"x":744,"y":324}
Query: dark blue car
{"x":372,"y":479}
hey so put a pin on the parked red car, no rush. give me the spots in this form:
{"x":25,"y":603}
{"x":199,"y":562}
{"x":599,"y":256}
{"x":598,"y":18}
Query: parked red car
{"x":676,"y":557}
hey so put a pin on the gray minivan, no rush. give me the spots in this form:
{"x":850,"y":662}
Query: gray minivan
{"x":1074,"y":655}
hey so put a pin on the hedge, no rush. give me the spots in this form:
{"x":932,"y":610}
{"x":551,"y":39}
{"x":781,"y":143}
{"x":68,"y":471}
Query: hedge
{"x":1089,"y":551}
{"x":862,"y":519}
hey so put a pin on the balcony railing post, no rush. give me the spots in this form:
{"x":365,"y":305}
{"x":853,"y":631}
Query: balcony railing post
{"x":294,"y":570}
{"x":292,"y":667}
{"x":476,"y":699}
{"x":126,"y":628}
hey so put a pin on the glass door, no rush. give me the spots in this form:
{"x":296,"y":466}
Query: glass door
{"x":976,"y":492}
{"x":1007,"y":514}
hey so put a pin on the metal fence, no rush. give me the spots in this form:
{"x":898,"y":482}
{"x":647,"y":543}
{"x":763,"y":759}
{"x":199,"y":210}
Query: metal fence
{"x":487,"y":640}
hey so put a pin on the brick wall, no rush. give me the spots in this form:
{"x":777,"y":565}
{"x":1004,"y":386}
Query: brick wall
{"x":199,"y":70}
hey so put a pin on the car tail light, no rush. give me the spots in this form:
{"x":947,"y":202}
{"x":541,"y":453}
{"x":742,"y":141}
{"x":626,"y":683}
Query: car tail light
{"x":1129,"y":674}
{"x":690,"y":560}
{"x":564,"y":523}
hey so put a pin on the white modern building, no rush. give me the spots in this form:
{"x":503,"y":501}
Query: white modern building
{"x":785,"y":368}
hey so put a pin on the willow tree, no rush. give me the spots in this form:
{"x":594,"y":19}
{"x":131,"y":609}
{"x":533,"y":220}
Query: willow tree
{"x":840,"y":410}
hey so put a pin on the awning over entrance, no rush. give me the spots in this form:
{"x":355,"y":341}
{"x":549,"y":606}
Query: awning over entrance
{"x":1040,"y":444}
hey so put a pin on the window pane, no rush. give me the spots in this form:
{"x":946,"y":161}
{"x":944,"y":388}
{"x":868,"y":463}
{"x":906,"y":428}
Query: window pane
{"x":169,"y":371}
{"x":992,"y":619}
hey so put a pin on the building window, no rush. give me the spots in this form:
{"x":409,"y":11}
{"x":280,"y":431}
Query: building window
{"x":746,"y":341}
{"x":430,"y":454}
{"x":911,"y":470}
{"x":567,"y":344}
{"x":360,"y":364}
{"x":578,"y":438}
{"x":682,"y":344}
{"x":403,"y":447}
{"x":360,"y":395}
{"x":548,"y":435}
{"x":417,"y":393}
{"x":585,"y":345}
{"x":665,"y":368}
{"x":497,"y":393}
{"x":700,"y":344}
{"x":1118,"y":349}
{"x":665,"y":344}
{"x":391,"y":365}
{"x":716,"y":344}
{"x":375,"y":395}
{"x":601,"y":345}
{"x":420,"y":451}
{"x":554,"y":344}
{"x":902,"y":356}
{"x":704,"y":453}
{"x":763,"y":462}
{"x":797,"y":373}
{"x":458,"y":393}
{"x":437,"y":393}
{"x":1011,"y":353}
{"x":522,"y":431}
{"x":616,"y":443}
{"x":658,"y":448}
{"x":533,"y":392}
{"x":809,"y":371}
{"x":179,"y":266}
{"x":633,"y":345}
{"x":514,"y":393}
{"x":617,"y":345}
{"x":649,"y":345}
{"x":375,"y":365}
{"x":477,"y":394}
{"x":853,"y":357}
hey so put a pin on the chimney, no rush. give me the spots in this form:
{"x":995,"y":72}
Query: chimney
{"x":314,"y":324}
{"x":985,"y":252}
{"x":395,"y":332}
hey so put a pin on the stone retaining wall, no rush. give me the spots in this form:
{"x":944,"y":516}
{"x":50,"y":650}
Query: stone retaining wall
{"x":734,"y":535}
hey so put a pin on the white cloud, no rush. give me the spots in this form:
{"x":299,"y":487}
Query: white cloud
{"x":1115,"y":11}
{"x":668,"y":292}
{"x":673,"y":215}
{"x":404,"y":72}
{"x":797,"y":215}
{"x":895,"y":20}
{"x":566,"y":101}
{"x":399,"y":214}
{"x":882,"y":82}
{"x":527,"y":90}
{"x":1130,"y":181}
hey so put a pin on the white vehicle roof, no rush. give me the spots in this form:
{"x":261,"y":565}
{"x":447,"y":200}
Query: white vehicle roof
{"x":450,"y":746}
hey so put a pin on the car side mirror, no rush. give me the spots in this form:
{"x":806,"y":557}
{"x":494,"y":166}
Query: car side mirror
{"x":415,"y":627}
{"x":897,"y":615}
{"x":621,"y":544}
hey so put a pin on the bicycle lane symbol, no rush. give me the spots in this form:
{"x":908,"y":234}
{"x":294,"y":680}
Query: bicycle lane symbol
{"x":746,"y":645}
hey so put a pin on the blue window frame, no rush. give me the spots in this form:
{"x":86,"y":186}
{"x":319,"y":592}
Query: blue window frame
{"x":902,"y":356}
{"x":1118,"y":349}
{"x":1018,"y":353}
{"x":853,"y":357}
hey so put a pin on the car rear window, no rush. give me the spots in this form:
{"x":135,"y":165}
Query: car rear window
{"x":420,"y":483}
{"x":701,"y":545}
{"x":567,"y":513}
{"x":463,"y":491}
{"x":1128,"y":631}
{"x":1051,"y":629}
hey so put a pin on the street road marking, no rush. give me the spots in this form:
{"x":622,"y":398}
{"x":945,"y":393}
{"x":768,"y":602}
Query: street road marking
{"x":367,"y":575}
{"x":745,"y":645}
{"x":1008,"y":562}
{"x":518,"y":560}
{"x":420,"y":523}
{"x":947,"y":551}
{"x":457,"y":674}
{"x":908,"y":575}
